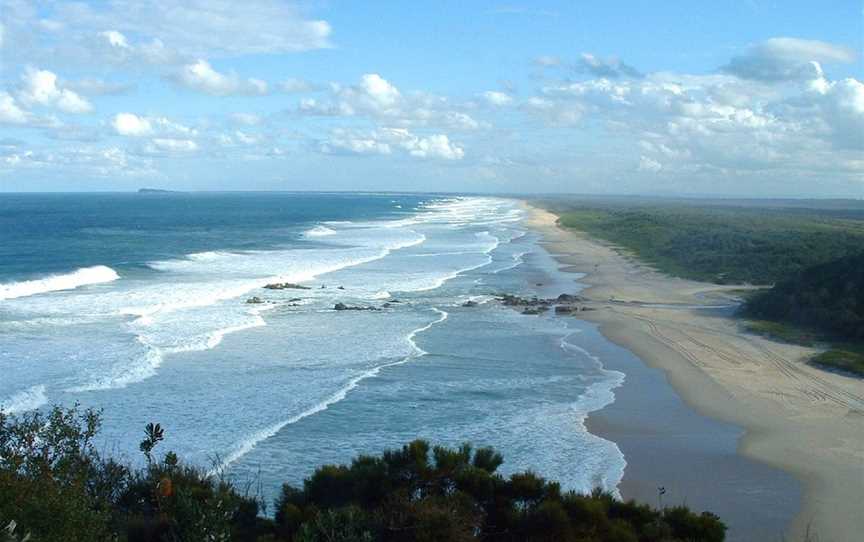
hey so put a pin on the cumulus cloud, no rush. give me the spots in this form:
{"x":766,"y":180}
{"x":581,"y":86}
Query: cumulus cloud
{"x":85,"y":160}
{"x":129,"y":124}
{"x":347,"y":144}
{"x":161,"y":145}
{"x":649,"y":164}
{"x":610,"y":68}
{"x":41,"y":88}
{"x":385,"y":140}
{"x":201,"y":76}
{"x":165,"y":28}
{"x":132,"y":125}
{"x":378,"y":98}
{"x":719,"y":124}
{"x":841,"y":108}
{"x":787,"y":59}
{"x":496,"y":98}
{"x":10,"y":113}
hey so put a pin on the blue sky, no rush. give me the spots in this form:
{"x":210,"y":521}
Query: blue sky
{"x":721,"y":98}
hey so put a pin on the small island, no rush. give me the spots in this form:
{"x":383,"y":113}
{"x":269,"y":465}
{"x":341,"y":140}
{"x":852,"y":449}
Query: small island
{"x":157,"y":191}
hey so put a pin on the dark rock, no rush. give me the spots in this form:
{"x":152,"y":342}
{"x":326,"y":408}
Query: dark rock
{"x":343,"y":307}
{"x":469,"y":303}
{"x":255,"y":300}
{"x":567,"y":298}
{"x":565,"y":309}
{"x":285,"y":286}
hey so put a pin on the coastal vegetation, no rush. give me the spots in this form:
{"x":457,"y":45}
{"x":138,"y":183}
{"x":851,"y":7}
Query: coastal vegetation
{"x":721,"y":244}
{"x":827,"y":302}
{"x":812,"y":259}
{"x":56,"y":486}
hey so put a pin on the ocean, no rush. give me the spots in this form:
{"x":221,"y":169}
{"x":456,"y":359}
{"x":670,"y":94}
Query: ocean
{"x":137,"y":304}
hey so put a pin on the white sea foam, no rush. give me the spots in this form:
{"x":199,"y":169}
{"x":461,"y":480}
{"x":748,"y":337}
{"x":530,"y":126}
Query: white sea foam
{"x":29,"y":399}
{"x":319,"y":231}
{"x":518,"y":259}
{"x":251,"y":441}
{"x":54,"y":283}
{"x":594,"y":398}
{"x":158,"y":302}
{"x":141,"y":368}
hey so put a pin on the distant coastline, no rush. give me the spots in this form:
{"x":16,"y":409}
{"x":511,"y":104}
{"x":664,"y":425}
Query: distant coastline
{"x":797,"y":418}
{"x":158,"y":191}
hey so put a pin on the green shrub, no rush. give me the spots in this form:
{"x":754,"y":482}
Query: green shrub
{"x":56,"y":487}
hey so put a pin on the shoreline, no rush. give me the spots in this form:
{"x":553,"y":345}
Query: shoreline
{"x":796,"y":418}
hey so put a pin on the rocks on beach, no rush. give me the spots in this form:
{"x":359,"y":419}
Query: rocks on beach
{"x":285,"y":286}
{"x":343,"y":307}
{"x":563,"y":304}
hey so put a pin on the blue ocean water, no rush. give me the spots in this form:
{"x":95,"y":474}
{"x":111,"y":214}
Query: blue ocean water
{"x":137,"y":304}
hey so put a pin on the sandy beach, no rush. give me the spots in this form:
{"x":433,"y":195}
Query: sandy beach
{"x":797,"y":418}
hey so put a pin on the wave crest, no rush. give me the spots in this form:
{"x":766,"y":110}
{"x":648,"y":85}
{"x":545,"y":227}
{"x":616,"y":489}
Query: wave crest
{"x":319,"y":231}
{"x":54,"y":283}
{"x":29,"y":399}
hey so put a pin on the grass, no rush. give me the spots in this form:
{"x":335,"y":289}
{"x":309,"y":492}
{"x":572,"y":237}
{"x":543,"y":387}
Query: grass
{"x":783,"y":332}
{"x":848,"y":361}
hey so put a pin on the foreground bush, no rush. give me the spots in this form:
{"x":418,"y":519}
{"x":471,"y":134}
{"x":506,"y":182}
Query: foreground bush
{"x":54,"y":486}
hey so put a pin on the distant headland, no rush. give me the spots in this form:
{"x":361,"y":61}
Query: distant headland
{"x":157,"y":191}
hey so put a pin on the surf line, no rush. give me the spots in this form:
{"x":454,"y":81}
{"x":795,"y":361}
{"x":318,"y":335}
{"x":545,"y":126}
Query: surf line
{"x":249,"y":444}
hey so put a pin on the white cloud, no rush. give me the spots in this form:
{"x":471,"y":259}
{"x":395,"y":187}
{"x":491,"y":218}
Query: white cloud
{"x":611,"y":68}
{"x":498,"y":99}
{"x":201,"y":76}
{"x":353,"y":145}
{"x":40,"y":88}
{"x":10,"y":113}
{"x":132,"y":125}
{"x":115,"y":39}
{"x":377,"y":98}
{"x":87,"y":161}
{"x":129,"y":124}
{"x":385,"y":140}
{"x":649,"y":164}
{"x":164,"y":29}
{"x":787,"y":59}
{"x":841,"y":107}
{"x":170,"y":146}
{"x":717,"y":126}
{"x":434,"y":146}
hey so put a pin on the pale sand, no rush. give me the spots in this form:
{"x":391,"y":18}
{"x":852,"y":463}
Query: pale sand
{"x":798,"y":418}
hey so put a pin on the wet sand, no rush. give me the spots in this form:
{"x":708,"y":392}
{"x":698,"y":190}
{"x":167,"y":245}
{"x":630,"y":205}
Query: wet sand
{"x":805,"y":421}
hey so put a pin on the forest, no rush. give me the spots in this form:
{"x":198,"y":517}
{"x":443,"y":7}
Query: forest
{"x":718,"y":243}
{"x":811,"y":258}
{"x":827,"y":298}
{"x":55,"y":486}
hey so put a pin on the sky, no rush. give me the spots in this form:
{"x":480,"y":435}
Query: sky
{"x":723,"y":98}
